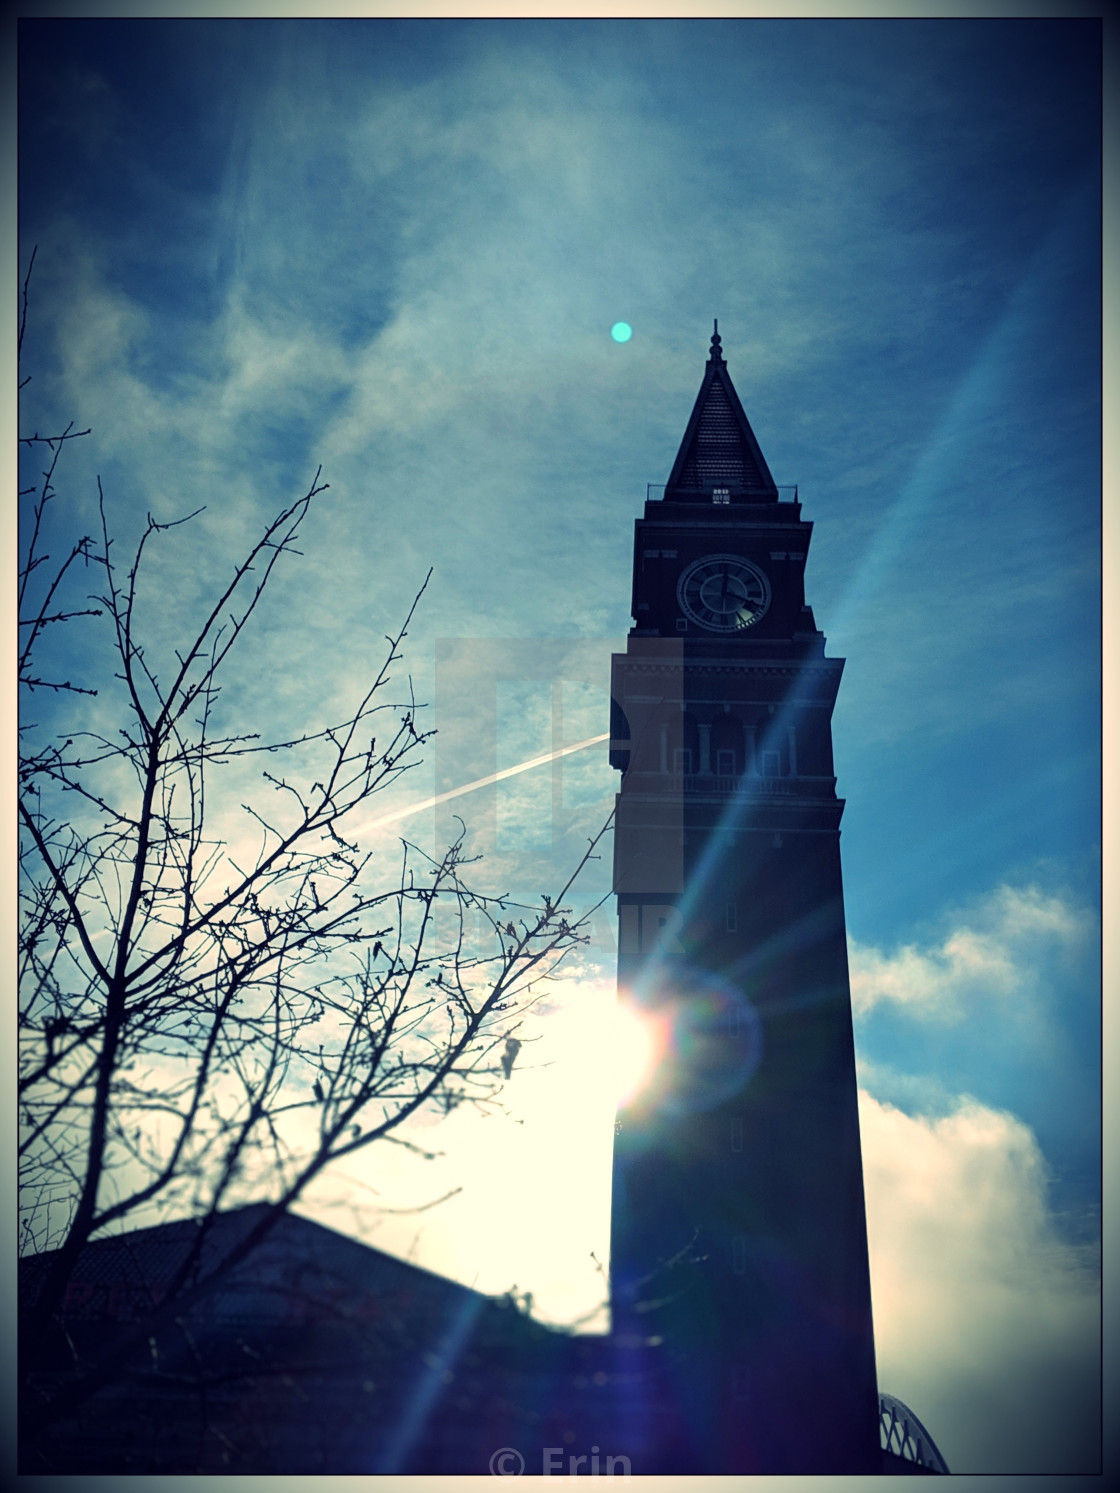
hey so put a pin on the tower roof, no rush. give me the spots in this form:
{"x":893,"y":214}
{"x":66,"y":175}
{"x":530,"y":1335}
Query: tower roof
{"x":719,"y":449}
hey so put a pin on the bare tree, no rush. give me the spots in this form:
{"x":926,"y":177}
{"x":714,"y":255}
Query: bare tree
{"x":209,"y":1018}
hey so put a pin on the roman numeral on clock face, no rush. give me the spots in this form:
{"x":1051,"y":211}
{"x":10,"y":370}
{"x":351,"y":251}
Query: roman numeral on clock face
{"x":723,"y":593}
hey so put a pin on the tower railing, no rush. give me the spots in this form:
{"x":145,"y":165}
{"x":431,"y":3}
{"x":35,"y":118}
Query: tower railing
{"x":750,"y":783}
{"x":655,"y":492}
{"x":710,"y":782}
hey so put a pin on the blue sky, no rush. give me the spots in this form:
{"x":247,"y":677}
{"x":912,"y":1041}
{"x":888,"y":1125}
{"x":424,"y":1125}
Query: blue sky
{"x":396,"y":248}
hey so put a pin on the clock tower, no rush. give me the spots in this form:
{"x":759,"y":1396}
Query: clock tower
{"x":739,"y":1277}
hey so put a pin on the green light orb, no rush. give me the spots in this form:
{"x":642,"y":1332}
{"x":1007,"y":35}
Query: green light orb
{"x":622,"y":331}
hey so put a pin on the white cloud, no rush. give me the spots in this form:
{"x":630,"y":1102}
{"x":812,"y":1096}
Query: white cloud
{"x":986,"y":1321}
{"x":1002,"y":948}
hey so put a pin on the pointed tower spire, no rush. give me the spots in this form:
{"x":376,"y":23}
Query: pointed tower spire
{"x":719,"y":450}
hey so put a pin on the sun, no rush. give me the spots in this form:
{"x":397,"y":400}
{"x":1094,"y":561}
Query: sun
{"x":637,"y":1044}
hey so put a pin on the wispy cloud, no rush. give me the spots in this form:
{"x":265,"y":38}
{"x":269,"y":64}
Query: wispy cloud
{"x":998,"y":951}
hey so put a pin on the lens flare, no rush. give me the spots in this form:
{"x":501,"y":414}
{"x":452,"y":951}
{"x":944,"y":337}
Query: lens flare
{"x":717,"y":1043}
{"x":687,"y":1042}
{"x":622,"y":331}
{"x":637,"y":1045}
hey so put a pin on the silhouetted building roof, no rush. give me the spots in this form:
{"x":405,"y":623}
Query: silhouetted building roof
{"x":321,"y":1355}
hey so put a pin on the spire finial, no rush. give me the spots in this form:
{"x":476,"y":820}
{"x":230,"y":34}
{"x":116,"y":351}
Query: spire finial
{"x":716,"y":354}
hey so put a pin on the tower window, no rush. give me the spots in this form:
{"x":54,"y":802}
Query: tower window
{"x":725,"y":762}
{"x":731,"y":917}
{"x":721,"y":495}
{"x":771,"y":765}
{"x":682,"y":759}
{"x":682,"y":624}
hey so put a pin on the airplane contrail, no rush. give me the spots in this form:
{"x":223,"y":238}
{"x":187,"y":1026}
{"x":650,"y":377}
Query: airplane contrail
{"x":494,"y":777}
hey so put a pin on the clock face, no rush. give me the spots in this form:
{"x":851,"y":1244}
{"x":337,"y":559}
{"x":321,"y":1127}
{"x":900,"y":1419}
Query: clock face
{"x":723,"y":593}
